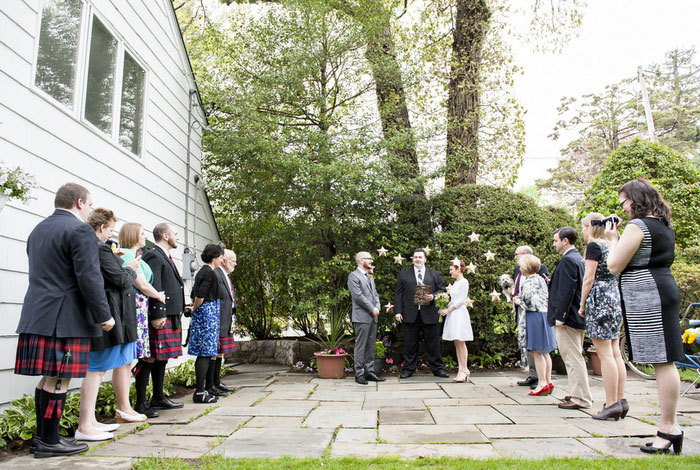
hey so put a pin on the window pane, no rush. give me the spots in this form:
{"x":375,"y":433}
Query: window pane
{"x":58,"y":49}
{"x":100,"y":81}
{"x":131,"y":116}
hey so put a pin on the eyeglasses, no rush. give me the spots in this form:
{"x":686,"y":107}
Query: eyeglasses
{"x":368,"y":258}
{"x":622,"y":204}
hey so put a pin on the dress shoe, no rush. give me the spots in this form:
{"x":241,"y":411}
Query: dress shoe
{"x":65,"y":440}
{"x":123,"y":417}
{"x":372,"y":377}
{"x":625,"y":407}
{"x":62,"y":447}
{"x":405,"y":374}
{"x":675,"y":440}
{"x":216,"y":392}
{"x":569,"y":405}
{"x":145,"y":409}
{"x":166,"y":404}
{"x":529,"y":382}
{"x":441,"y":373}
{"x":107,"y":427}
{"x":613,"y":411}
{"x":361,"y":380}
{"x":204,"y":397}
{"x":224,"y":388}
{"x":543,"y":392}
{"x":100,"y":436}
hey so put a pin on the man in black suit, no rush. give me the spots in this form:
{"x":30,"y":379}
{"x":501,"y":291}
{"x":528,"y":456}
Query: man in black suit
{"x":164,"y":329}
{"x":562,"y":313}
{"x":417,"y":318}
{"x":227,"y":311}
{"x":64,"y":307}
{"x":526,"y":356}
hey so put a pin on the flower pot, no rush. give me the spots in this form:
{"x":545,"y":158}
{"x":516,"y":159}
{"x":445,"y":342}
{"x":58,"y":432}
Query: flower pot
{"x":3,"y":199}
{"x":595,"y":362}
{"x":379,"y":365}
{"x":330,"y":366}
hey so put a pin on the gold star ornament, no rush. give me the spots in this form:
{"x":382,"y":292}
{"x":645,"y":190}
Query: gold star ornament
{"x":398,"y":259}
{"x":382,"y":251}
{"x":471,"y":268}
{"x":427,"y":251}
{"x":474,"y":237}
{"x":489,"y":256}
{"x":495,"y":295}
{"x":469,"y":303}
{"x":389,"y":307}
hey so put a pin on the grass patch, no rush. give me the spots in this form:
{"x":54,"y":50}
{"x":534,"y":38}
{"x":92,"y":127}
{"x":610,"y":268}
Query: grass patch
{"x":688,"y":375}
{"x":203,"y":413}
{"x":394,"y":463}
{"x":645,"y":420}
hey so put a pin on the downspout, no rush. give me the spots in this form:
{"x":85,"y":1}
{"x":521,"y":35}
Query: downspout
{"x":187,"y":256}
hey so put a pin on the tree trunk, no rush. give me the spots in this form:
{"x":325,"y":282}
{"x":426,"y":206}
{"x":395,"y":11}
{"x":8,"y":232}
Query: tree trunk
{"x":472,"y":18}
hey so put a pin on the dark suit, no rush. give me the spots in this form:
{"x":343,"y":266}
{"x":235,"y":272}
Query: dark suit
{"x":167,"y":279}
{"x":66,"y":291}
{"x":525,"y":355}
{"x":415,"y":320}
{"x":226,"y":310}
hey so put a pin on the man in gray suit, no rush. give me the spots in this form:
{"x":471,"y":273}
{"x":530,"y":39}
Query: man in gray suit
{"x":365,"y":310}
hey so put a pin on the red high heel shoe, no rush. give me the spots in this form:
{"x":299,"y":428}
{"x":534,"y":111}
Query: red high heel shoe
{"x":544,"y":391}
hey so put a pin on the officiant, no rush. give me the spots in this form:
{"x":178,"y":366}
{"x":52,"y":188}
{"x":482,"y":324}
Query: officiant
{"x":414,"y":305}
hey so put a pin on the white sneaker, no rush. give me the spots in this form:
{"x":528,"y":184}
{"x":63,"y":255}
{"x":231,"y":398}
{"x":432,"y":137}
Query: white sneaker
{"x":103,"y":436}
{"x":104,"y":427}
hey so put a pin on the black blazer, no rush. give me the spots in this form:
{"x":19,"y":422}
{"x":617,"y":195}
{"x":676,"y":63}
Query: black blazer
{"x":565,"y":291}
{"x":403,"y":296}
{"x":66,"y":292}
{"x":226,"y":310}
{"x":119,"y":290}
{"x":167,"y":279}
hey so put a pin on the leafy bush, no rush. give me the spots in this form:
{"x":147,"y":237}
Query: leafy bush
{"x":19,"y":421}
{"x":184,"y":374}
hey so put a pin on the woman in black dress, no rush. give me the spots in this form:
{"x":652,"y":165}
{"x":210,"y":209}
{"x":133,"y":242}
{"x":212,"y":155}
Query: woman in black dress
{"x":650,"y":298}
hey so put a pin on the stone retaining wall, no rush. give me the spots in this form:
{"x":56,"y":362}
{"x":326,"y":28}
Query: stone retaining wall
{"x":273,"y":351}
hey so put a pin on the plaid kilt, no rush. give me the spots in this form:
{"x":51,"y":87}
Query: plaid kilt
{"x":51,"y":356}
{"x":166,"y":343}
{"x":226,"y":344}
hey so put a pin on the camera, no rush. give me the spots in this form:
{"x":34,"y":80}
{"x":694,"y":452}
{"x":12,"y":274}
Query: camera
{"x":613,"y":219}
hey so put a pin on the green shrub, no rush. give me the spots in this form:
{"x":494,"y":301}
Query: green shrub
{"x":184,"y":374}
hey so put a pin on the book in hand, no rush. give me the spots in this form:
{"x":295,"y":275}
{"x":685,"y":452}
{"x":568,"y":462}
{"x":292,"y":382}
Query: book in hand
{"x":419,"y":295}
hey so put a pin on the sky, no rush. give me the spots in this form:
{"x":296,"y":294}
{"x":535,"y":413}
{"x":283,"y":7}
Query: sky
{"x":616,"y":37}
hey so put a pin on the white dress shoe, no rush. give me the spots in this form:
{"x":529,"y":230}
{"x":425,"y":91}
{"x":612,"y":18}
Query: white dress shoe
{"x":127,"y":418}
{"x":103,"y":436}
{"x":107,"y":427}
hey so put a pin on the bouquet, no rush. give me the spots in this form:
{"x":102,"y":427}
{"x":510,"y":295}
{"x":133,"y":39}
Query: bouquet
{"x":442,"y":300}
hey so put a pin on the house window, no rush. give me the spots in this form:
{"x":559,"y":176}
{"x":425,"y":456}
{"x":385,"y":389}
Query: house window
{"x":99,"y":95}
{"x":58,"y":49}
{"x":131,"y":112}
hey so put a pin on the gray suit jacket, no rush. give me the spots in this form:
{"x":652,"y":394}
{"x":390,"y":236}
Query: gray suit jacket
{"x":364,"y":297}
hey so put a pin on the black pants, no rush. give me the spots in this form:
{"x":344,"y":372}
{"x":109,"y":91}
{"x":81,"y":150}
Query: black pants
{"x":411,"y":335}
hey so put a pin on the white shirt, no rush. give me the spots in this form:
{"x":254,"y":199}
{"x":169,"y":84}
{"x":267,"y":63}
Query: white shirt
{"x":422,"y":274}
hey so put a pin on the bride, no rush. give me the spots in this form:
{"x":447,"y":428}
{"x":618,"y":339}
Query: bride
{"x":457,"y":325}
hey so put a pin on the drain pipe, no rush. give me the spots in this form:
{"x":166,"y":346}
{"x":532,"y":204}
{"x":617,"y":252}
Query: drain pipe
{"x":188,"y":256}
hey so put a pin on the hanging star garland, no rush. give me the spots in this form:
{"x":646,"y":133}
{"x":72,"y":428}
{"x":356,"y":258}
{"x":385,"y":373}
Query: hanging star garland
{"x":495,"y":295}
{"x":398,"y":259}
{"x":474,"y":237}
{"x":382,"y":251}
{"x":427,"y":251}
{"x":389,"y":307}
{"x":469,"y":303}
{"x":471,"y":268}
{"x":489,"y":256}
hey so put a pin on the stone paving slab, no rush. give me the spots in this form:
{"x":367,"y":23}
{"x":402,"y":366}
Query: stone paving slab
{"x":372,"y":403}
{"x":418,"y":378}
{"x":402,"y":394}
{"x":393,"y":387}
{"x":469,"y":401}
{"x":509,"y":431}
{"x":28,"y":462}
{"x":288,"y":387}
{"x":301,"y":404}
{"x":258,"y":411}
{"x":241,"y":399}
{"x":683,"y":420}
{"x":211,"y":426}
{"x":288,"y":394}
{"x":335,"y":395}
{"x":624,"y":427}
{"x":339,"y":405}
{"x":275,"y":442}
{"x":183,"y":415}
{"x":405,"y":417}
{"x":466,"y":390}
{"x":535,"y":414}
{"x":357,"y":436}
{"x":688,"y":405}
{"x":520,"y":395}
{"x":323,"y":418}
{"x":422,"y":434}
{"x":468,"y":415}
{"x":156,"y":441}
{"x":414,"y":451}
{"x":629,"y":447}
{"x":542,"y":448}
{"x":275,"y":422}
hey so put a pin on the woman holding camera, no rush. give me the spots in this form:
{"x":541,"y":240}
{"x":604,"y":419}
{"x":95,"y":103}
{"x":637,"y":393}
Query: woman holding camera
{"x":650,"y":298}
{"x":600,"y":306}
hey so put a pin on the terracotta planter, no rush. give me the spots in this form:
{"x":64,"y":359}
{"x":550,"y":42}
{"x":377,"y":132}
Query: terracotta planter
{"x":595,"y":362}
{"x":330,"y":366}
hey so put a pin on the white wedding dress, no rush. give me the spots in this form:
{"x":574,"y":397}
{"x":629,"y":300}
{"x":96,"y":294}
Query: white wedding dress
{"x":457,"y":325}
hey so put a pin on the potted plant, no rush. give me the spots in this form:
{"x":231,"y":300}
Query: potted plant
{"x":379,"y":357}
{"x":331,"y":359}
{"x":595,"y":360}
{"x":15,"y":184}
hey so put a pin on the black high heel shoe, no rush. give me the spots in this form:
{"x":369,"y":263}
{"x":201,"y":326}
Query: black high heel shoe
{"x":675,"y":440}
{"x":625,"y":407}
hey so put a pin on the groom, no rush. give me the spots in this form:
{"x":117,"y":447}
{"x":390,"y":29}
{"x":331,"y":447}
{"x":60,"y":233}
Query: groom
{"x":417,"y":318}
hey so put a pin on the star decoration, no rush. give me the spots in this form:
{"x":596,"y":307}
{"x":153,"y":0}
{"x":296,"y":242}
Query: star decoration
{"x":398,"y":259}
{"x":456,"y":262}
{"x":495,"y":295}
{"x":489,"y":256}
{"x":382,"y":251}
{"x":469,"y":303}
{"x":474,"y":237}
{"x":471,"y":268}
{"x":427,"y":251}
{"x":389,"y":307}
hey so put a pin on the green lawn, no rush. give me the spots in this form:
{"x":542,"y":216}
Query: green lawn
{"x":220,"y":463}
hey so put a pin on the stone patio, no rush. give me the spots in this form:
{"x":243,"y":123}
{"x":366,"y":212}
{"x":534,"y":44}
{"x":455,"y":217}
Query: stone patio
{"x":274,"y":413}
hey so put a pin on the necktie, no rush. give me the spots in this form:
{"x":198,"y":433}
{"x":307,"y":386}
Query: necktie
{"x":367,"y":276}
{"x":420,"y":277}
{"x":516,"y":290}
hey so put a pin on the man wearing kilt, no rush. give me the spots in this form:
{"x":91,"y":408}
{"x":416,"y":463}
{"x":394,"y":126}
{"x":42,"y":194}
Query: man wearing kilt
{"x":164,"y":328}
{"x":63,"y":308}
{"x":227,"y":312}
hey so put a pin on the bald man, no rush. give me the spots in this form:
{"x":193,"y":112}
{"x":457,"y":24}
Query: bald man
{"x":365,"y":310}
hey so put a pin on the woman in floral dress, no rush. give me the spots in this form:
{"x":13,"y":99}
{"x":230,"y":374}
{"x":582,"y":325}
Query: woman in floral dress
{"x":600,"y":305}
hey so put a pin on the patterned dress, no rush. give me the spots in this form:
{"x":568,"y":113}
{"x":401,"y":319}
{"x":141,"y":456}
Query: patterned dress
{"x":143,"y":346}
{"x":204,"y":327}
{"x":533,"y":299}
{"x":650,"y":296}
{"x":603,"y":310}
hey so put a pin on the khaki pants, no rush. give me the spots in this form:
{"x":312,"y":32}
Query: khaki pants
{"x":570,"y":342}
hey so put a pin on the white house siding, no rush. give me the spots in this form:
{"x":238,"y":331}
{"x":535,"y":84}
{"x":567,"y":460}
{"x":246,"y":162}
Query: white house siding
{"x":56,"y":146}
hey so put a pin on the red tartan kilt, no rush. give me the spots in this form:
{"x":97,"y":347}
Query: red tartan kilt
{"x":43,"y":355}
{"x":226,"y":344}
{"x":166,"y":343}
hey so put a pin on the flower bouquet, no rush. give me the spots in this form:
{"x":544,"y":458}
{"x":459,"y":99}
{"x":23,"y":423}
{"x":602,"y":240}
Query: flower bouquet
{"x":442,"y":300}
